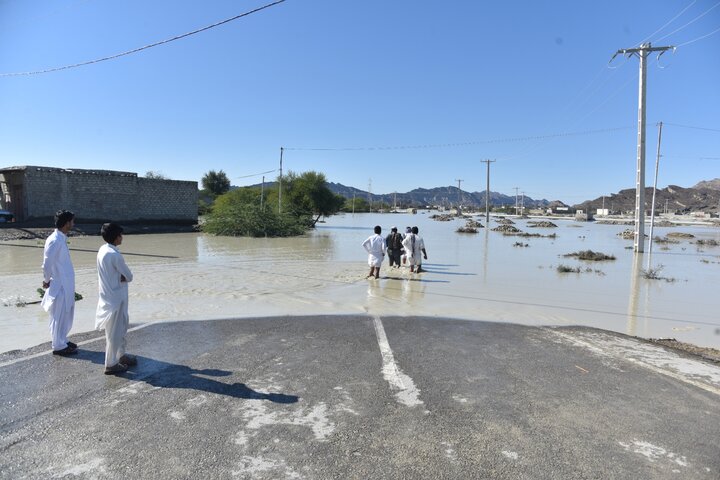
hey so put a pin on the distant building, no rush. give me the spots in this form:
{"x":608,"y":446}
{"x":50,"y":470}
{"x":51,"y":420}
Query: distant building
{"x":602,"y":212}
{"x":561,"y":210}
{"x":33,"y":193}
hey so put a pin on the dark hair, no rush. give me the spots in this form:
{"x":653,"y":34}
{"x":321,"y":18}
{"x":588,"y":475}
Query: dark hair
{"x":62,"y":217}
{"x":394,"y":229}
{"x":110,"y":232}
{"x":415,"y":230}
{"x":378,"y":229}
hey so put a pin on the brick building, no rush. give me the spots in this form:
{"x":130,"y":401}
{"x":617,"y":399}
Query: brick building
{"x":33,"y":193}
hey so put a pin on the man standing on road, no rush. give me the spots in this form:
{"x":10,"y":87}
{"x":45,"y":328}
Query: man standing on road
{"x":375,"y":247}
{"x":414,"y":247}
{"x":59,"y":282}
{"x":394,"y":247}
{"x":112,"y":308}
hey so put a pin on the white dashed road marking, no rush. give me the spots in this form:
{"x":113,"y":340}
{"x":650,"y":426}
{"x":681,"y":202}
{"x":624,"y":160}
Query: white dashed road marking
{"x":405,"y":390}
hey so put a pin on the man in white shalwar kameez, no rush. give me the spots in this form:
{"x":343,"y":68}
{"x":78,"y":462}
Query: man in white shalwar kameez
{"x":415,"y":250}
{"x":59,"y":282}
{"x":112,"y":308}
{"x":375,"y":247}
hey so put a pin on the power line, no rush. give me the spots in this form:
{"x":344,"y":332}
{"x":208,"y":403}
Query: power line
{"x":700,"y":38}
{"x":111,"y":57}
{"x":694,"y":128}
{"x":676,"y":157}
{"x":257,"y":174}
{"x":463,"y":144}
{"x":690,"y":22}
{"x":668,"y":23}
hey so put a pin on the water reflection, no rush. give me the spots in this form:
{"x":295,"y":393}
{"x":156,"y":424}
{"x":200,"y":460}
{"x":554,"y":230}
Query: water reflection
{"x":634,"y":295}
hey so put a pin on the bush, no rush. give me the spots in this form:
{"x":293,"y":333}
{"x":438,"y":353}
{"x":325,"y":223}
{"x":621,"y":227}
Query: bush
{"x":238,"y":213}
{"x":566,"y":269}
{"x":590,"y":255}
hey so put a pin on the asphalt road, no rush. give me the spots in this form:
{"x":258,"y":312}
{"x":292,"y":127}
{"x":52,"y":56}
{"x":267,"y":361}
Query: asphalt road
{"x":361,"y":397}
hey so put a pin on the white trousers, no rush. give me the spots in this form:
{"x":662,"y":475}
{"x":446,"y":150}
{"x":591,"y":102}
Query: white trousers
{"x":61,"y":320}
{"x":115,"y":331}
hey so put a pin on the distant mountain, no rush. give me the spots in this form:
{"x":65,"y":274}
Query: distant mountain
{"x":439,"y":196}
{"x":671,"y":199}
{"x":711,"y":184}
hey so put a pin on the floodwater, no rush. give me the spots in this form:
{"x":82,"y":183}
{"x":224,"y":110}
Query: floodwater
{"x":484,"y":276}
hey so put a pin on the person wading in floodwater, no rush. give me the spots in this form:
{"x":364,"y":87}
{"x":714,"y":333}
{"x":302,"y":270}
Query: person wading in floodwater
{"x":414,"y":248}
{"x":394,"y":247}
{"x":375,"y":247}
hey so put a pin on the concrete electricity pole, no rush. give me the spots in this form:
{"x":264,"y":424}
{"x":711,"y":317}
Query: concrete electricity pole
{"x":516,"y":200}
{"x":262,"y":192}
{"x":460,"y":198}
{"x":370,"y":195}
{"x":642,"y":53}
{"x":487,"y":192}
{"x":280,"y":183}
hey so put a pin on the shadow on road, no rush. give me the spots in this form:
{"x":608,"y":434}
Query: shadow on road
{"x":171,"y":375}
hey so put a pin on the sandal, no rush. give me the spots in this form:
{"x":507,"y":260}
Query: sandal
{"x":115,"y":369}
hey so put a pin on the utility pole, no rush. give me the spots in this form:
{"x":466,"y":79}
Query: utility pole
{"x":642,"y":53}
{"x":459,"y":196}
{"x":353,"y":206}
{"x":262,"y":192}
{"x":370,"y":195}
{"x":666,"y":210}
{"x":652,"y":208}
{"x":487,"y":192}
{"x":522,"y":203}
{"x":516,"y":200}
{"x":280,"y":183}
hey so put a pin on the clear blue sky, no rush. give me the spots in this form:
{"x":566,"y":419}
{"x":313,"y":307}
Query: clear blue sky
{"x":469,"y":80}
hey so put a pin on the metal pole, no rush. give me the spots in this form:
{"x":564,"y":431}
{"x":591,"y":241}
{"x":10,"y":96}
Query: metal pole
{"x":280,"y":183}
{"x":487,"y":192}
{"x":652,"y":209}
{"x":262,"y":192}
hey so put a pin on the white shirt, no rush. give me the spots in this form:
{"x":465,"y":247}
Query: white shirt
{"x":58,"y":271}
{"x":112,"y":293}
{"x":375,"y":245}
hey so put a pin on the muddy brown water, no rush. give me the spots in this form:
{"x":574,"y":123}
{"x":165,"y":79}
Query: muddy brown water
{"x":483,"y":276}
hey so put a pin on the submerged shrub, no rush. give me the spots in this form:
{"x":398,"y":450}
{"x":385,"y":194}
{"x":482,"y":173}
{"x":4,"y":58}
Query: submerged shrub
{"x":590,"y":255}
{"x":567,"y":269}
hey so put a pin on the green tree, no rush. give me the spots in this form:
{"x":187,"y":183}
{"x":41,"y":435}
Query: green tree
{"x":155,"y":174}
{"x":308,"y":194}
{"x":216,"y":182}
{"x":360,"y":205}
{"x":239,"y":213}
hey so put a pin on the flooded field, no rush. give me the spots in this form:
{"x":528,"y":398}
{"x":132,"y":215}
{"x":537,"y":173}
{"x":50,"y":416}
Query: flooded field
{"x":484,"y":276}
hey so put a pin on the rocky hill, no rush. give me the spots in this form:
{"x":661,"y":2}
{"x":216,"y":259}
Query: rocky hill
{"x":444,"y":196}
{"x":673,"y":199}
{"x":711,"y":184}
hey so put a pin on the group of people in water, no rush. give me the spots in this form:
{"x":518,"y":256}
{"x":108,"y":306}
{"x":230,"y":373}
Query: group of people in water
{"x":401,"y":249}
